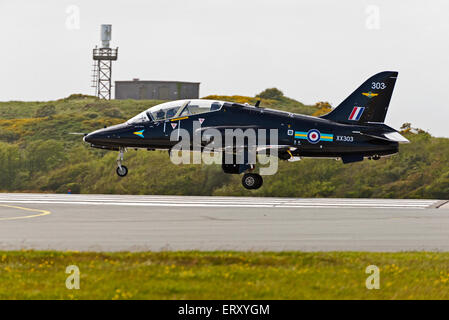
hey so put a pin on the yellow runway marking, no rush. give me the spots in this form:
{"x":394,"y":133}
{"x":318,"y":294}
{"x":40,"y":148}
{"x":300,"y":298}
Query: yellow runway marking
{"x":42,"y":212}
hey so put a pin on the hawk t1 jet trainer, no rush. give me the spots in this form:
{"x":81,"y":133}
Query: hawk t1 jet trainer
{"x":352,"y":131}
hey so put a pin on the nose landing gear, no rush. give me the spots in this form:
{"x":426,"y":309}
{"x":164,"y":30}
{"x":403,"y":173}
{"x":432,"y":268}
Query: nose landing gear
{"x":121,"y":169}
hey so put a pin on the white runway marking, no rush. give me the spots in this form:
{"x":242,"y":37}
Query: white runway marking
{"x":135,"y":223}
{"x":191,"y":201}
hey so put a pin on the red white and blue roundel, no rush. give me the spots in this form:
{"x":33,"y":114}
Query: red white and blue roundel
{"x":313,"y":136}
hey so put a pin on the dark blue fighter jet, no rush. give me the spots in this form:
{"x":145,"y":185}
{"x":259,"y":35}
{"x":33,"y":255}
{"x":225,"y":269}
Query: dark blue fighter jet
{"x":354,"y":130}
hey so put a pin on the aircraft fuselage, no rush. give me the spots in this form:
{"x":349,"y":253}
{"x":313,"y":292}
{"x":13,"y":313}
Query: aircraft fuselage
{"x":336,"y":140}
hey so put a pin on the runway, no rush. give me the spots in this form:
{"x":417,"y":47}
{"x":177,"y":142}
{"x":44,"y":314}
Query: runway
{"x":134,"y":223}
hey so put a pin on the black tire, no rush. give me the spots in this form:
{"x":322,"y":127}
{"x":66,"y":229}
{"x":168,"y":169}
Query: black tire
{"x":122,"y":171}
{"x":259,"y":181}
{"x":252,"y":181}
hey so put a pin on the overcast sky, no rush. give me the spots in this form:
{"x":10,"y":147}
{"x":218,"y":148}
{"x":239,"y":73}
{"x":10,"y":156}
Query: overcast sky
{"x":311,"y":50}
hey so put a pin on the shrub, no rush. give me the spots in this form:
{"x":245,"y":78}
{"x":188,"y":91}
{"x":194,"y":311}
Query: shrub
{"x":45,"y":111}
{"x":8,"y":136}
{"x":272,"y":93}
{"x":113,"y":113}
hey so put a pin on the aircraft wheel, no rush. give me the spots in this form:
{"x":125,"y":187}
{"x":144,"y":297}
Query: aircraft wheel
{"x":122,"y":171}
{"x":252,"y":181}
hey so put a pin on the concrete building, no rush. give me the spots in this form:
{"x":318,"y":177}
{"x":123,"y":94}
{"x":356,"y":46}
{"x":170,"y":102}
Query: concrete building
{"x":158,"y":90}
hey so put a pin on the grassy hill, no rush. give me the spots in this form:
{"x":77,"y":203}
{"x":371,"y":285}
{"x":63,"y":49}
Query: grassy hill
{"x":37,"y":154}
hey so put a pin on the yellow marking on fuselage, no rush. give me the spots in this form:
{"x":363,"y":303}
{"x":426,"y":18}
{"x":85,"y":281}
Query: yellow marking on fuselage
{"x":42,"y":212}
{"x":179,"y":119}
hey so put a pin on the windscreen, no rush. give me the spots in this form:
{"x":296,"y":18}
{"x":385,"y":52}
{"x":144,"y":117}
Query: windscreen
{"x":177,"y":108}
{"x":160,"y":112}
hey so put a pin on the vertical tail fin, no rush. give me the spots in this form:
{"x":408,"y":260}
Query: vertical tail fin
{"x":368,"y":103}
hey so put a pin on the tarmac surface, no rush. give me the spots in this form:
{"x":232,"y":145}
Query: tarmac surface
{"x":137,"y":223}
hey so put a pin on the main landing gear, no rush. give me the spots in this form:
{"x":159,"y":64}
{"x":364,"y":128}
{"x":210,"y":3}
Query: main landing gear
{"x":121,"y":170}
{"x":252,"y":181}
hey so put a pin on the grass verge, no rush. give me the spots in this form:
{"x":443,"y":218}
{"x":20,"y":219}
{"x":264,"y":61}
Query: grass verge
{"x":223,"y":275}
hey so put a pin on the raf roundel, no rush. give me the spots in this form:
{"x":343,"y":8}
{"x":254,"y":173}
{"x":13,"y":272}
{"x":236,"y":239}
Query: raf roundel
{"x":313,"y":136}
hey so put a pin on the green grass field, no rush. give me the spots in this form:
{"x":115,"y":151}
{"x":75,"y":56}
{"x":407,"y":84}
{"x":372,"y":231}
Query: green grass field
{"x":223,"y":275}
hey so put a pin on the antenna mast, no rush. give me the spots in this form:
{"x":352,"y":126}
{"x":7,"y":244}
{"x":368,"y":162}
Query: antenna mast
{"x":103,"y":57}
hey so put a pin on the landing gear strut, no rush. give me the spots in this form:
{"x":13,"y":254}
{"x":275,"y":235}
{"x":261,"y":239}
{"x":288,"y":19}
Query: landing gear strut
{"x":252,"y":181}
{"x":121,"y":170}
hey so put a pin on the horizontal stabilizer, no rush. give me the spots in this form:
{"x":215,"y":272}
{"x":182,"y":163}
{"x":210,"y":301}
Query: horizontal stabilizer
{"x":389,"y":136}
{"x":396,"y":136}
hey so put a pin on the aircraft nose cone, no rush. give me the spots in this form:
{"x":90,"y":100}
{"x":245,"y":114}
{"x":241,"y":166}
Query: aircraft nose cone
{"x":91,"y":138}
{"x":108,"y":136}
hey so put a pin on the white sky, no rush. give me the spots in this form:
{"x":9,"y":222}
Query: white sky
{"x":312,"y":50}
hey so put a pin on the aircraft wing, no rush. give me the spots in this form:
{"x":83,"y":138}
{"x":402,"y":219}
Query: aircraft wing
{"x":259,"y":148}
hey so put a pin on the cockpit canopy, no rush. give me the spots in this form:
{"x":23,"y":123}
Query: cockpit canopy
{"x":178,"y":108}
